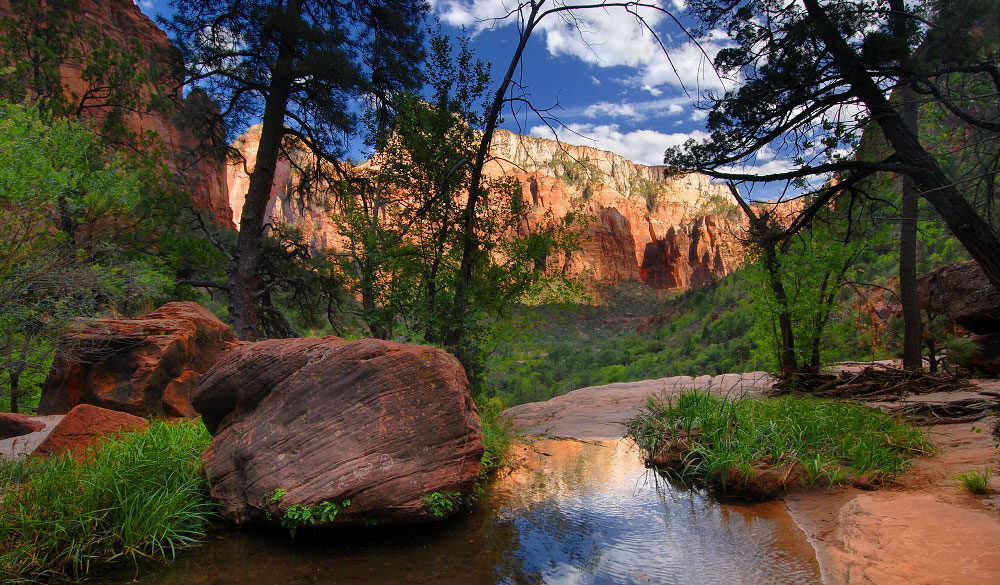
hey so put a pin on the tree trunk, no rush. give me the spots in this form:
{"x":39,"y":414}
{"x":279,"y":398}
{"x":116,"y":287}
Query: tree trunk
{"x":962,"y":219}
{"x":457,"y":332}
{"x":786,"y":353}
{"x":15,"y":382}
{"x":245,"y":282}
{"x":913,"y":330}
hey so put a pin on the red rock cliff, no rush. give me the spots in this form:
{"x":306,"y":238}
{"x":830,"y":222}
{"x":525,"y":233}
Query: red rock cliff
{"x":121,"y":21}
{"x":669,"y":232}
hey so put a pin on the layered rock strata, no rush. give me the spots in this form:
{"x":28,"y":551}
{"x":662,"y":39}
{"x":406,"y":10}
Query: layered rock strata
{"x":147,"y":366}
{"x":365,"y":432}
{"x":640,"y":222}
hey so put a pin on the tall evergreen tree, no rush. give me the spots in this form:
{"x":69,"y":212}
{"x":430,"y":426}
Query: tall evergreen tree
{"x":299,"y":66}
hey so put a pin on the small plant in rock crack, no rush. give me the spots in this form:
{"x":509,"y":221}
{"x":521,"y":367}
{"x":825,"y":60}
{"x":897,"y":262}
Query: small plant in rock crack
{"x":299,"y":515}
{"x":977,"y":482}
{"x":279,"y":494}
{"x":440,"y":504}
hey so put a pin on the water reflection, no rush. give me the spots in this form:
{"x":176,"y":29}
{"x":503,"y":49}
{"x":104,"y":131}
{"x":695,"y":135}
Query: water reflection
{"x":579,"y":513}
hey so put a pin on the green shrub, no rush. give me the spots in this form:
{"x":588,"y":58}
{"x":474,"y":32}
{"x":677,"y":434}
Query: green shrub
{"x":831,"y":440}
{"x":439,"y":504}
{"x":977,"y":482}
{"x":498,"y":434}
{"x":138,"y":495}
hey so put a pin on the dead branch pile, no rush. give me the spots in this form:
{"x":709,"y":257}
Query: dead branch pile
{"x":951,"y":411}
{"x":890,"y":387}
{"x":873,"y":382}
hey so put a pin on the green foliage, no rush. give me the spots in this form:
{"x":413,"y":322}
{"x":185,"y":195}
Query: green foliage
{"x":279,"y":494}
{"x":440,"y":504}
{"x":76,"y":226}
{"x":812,"y":267}
{"x":977,"y":482}
{"x":407,"y":230}
{"x":552,"y":348}
{"x":115,"y":79}
{"x":299,"y":515}
{"x":832,"y":440}
{"x":139,"y":495}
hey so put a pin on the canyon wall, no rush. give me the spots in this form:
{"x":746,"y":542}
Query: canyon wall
{"x":642,"y":224}
{"x":121,"y":21}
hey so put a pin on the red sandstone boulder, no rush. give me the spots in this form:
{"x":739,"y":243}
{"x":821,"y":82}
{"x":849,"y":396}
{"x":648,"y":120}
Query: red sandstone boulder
{"x":313,"y":423}
{"x":84,"y":425}
{"x":963,"y":293}
{"x":147,"y":366}
{"x":15,"y":425}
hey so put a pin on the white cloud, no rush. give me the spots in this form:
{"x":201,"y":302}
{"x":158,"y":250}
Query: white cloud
{"x":642,"y":146}
{"x":595,"y":80}
{"x":633,"y":110}
{"x":699,"y":115}
{"x":146,"y":5}
{"x":608,"y":37}
{"x":611,"y":110}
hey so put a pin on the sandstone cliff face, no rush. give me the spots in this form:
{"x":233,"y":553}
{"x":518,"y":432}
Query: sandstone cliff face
{"x":644,"y":224}
{"x":121,"y":21}
{"x":641,"y":224}
{"x":292,"y":200}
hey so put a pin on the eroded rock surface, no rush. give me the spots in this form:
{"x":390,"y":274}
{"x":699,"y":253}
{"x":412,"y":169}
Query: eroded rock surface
{"x":305,"y":421}
{"x":147,"y":366}
{"x":15,"y":425}
{"x":963,"y":293}
{"x":84,"y":425}
{"x":599,"y":412}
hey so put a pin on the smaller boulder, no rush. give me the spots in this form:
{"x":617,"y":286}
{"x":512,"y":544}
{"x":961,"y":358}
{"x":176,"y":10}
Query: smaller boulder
{"x":147,"y":366}
{"x":15,"y":425}
{"x":963,"y":293}
{"x":84,"y":425}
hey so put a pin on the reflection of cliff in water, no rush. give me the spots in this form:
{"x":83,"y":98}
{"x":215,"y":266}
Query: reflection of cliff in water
{"x":577,"y":513}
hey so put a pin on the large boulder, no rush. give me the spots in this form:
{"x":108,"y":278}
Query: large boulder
{"x":304,"y":426}
{"x":964,"y":294}
{"x":147,"y":366}
{"x":83,"y":426}
{"x":15,"y":425}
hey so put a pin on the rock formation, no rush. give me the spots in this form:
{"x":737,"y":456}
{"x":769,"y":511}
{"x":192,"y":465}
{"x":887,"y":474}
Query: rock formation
{"x":83,"y":426}
{"x":642,"y":223}
{"x":365,"y":430}
{"x":15,"y":425}
{"x":147,"y":366}
{"x":122,"y":21}
{"x":963,"y":293}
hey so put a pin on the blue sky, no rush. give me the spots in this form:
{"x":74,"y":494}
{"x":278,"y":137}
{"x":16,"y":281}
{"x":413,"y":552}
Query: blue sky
{"x":614,"y":86}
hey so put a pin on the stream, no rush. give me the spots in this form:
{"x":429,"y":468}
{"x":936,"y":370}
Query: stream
{"x":578,"y":513}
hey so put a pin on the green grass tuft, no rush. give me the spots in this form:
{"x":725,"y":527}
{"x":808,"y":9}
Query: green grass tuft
{"x":831,"y":440}
{"x":498,"y":435}
{"x":977,"y":482}
{"x":139,"y":495}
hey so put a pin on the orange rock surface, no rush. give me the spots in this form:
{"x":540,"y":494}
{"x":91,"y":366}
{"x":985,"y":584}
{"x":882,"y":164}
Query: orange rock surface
{"x":121,"y":21}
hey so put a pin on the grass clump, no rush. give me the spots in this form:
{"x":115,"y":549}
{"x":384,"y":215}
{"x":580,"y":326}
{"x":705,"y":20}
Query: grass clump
{"x":498,"y":435}
{"x":757,"y":447}
{"x":977,"y":482}
{"x":139,"y":495}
